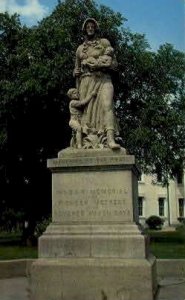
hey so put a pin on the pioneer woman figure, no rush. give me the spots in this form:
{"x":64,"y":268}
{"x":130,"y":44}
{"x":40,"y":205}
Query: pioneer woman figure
{"x":98,"y":115}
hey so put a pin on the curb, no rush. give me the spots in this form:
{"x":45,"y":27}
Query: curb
{"x":15,"y":268}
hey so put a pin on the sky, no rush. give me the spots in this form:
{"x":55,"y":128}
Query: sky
{"x":162,"y":21}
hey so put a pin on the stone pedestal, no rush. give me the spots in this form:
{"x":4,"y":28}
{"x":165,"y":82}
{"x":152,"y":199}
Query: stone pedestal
{"x":93,"y":249}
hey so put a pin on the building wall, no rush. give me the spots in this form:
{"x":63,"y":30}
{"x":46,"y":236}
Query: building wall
{"x":151,"y":191}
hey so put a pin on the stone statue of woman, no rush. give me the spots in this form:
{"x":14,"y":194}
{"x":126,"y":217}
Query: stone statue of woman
{"x":95,"y":60}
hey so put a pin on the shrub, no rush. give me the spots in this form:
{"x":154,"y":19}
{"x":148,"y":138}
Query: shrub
{"x":181,"y":220}
{"x":154,"y":222}
{"x":41,"y":226}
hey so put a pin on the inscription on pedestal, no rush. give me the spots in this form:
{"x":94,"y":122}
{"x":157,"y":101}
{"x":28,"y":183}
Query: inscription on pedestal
{"x":89,"y":161}
{"x":92,"y":198}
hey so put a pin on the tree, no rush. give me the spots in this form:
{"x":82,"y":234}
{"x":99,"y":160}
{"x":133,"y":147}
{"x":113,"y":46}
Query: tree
{"x":152,"y":108}
{"x":36,"y":72}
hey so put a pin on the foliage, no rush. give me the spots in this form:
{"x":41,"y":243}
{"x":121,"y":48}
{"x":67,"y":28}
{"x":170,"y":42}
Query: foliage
{"x":11,"y":221}
{"x":154,"y":222}
{"x":153,"y":112}
{"x":181,"y":220}
{"x":41,"y":226}
{"x":35,"y":73}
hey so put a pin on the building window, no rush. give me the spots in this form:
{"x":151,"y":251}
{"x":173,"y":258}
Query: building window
{"x":181,"y":207}
{"x":180,"y":176}
{"x":140,"y":206}
{"x":159,"y":177}
{"x":159,"y":173}
{"x":161,"y":206}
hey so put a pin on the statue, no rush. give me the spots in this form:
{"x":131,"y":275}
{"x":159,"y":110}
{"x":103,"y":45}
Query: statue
{"x":76,"y":114}
{"x":93,"y":121}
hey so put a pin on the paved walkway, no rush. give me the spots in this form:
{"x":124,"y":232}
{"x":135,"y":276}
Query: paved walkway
{"x":172,"y":289}
{"x":16,"y":289}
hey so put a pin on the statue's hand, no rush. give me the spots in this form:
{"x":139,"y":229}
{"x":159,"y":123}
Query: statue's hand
{"x":91,"y":63}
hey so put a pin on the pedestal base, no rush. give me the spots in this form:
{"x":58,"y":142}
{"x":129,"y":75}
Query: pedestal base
{"x":88,"y":241}
{"x":93,"y":249}
{"x":93,"y":279}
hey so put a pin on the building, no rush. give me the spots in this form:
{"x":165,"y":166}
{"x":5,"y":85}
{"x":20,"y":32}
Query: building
{"x":154,"y":199}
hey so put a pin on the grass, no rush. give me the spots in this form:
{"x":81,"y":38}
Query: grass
{"x":163,"y":244}
{"x":168,"y":250}
{"x":17,"y":252}
{"x":169,"y":245}
{"x":11,"y":247}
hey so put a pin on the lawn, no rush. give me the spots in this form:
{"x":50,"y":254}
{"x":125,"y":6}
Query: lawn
{"x":12,"y":247}
{"x":167,"y":244}
{"x":16,"y":252}
{"x":162,"y":244}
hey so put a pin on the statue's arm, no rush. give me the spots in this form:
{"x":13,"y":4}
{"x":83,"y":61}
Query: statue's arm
{"x":85,"y":101}
{"x":75,"y":103}
{"x":88,"y":98}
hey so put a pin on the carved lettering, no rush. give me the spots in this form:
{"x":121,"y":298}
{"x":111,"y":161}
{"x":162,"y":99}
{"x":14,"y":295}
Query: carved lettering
{"x":99,"y":191}
{"x":67,"y":162}
{"x":90,"y":214}
{"x":91,"y":200}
